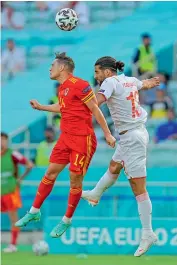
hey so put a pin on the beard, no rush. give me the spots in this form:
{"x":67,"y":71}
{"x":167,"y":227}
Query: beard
{"x":100,"y":82}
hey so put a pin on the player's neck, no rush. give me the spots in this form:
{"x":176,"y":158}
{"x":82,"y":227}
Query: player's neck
{"x":64,"y":77}
{"x":112,"y":74}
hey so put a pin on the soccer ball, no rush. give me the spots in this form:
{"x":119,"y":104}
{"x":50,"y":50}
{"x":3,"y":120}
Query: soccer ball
{"x":66,"y":19}
{"x":41,"y":248}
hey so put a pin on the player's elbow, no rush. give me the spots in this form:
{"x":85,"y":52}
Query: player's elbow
{"x":29,"y":165}
{"x":94,"y":109}
{"x":57,"y":109}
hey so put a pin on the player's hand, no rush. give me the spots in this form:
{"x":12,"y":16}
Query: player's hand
{"x":19,"y":181}
{"x":35,"y":104}
{"x":110,"y":140}
{"x":155,"y":81}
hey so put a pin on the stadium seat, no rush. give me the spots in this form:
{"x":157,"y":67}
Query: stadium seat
{"x":43,"y":51}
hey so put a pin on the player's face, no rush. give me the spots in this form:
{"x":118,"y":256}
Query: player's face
{"x":49,"y":136}
{"x":4,"y":143}
{"x":147,"y":41}
{"x":56,"y":70}
{"x":100,"y":74}
{"x":171,"y":115}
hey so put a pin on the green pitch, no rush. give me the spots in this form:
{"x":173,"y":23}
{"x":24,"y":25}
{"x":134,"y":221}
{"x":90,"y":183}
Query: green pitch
{"x":28,"y":258}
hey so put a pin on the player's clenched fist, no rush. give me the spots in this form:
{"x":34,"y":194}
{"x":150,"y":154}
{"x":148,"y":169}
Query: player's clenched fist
{"x":110,"y":140}
{"x":35,"y":104}
{"x":155,"y":81}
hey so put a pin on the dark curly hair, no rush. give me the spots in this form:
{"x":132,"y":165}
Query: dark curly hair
{"x":3,"y":134}
{"x":108,"y":62}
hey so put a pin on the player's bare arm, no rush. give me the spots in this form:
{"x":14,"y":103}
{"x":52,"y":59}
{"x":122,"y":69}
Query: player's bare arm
{"x":28,"y":167}
{"x":93,"y":106}
{"x":150,"y":83}
{"x":50,"y":108}
{"x":100,"y":98}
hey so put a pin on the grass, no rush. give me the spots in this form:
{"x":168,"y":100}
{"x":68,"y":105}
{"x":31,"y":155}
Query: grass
{"x":28,"y":258}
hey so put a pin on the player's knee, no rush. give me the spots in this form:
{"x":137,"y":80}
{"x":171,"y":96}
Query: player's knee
{"x":52,"y":175}
{"x":75,"y":180}
{"x":13,"y":222}
{"x":13,"y":217}
{"x":138,"y":186}
{"x":115,"y":168}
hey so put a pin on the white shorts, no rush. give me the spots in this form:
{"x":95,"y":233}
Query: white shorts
{"x":131,"y":152}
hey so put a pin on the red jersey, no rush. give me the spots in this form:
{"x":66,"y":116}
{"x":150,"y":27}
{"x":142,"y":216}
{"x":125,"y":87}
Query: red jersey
{"x":76,"y":118}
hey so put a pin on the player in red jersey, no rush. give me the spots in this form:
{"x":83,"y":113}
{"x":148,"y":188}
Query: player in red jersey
{"x":77,"y":142}
{"x":10,"y":189}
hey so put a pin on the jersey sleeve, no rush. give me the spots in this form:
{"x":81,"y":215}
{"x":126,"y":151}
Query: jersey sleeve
{"x":18,"y":158}
{"x":85,"y":92}
{"x":107,"y":88}
{"x":138,"y":83}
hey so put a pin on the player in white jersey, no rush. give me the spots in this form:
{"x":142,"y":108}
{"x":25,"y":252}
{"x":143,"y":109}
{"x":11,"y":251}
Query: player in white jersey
{"x":122,"y":97}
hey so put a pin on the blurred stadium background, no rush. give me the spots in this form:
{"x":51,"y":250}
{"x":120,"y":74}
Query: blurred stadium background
{"x":29,"y":40}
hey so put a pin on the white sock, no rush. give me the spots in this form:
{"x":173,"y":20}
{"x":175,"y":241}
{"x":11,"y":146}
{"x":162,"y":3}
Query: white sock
{"x":107,"y":180}
{"x":34,"y":210}
{"x":145,"y":212}
{"x":66,"y":220}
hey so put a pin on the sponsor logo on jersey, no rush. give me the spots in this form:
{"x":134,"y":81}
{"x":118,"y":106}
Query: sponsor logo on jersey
{"x":85,"y":90}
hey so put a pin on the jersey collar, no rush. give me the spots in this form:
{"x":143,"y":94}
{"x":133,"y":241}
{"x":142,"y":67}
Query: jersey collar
{"x":67,"y":79}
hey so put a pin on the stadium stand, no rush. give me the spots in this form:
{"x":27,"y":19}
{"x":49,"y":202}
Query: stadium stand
{"x":82,"y":42}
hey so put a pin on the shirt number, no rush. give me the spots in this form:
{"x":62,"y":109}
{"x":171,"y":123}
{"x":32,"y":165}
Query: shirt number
{"x":61,"y":102}
{"x":81,"y":161}
{"x":134,"y":97}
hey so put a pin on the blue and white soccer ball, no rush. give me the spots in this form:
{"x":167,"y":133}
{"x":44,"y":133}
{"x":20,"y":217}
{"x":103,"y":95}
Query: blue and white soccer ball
{"x":41,"y":248}
{"x":66,"y":19}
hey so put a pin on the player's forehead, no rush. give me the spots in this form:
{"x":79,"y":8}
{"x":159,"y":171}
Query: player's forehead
{"x":54,"y":62}
{"x":3,"y":137}
{"x":97,"y":68}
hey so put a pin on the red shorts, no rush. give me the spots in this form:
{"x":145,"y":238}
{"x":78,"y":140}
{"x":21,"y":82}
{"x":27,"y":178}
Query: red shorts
{"x":76,"y":150}
{"x":11,"y":202}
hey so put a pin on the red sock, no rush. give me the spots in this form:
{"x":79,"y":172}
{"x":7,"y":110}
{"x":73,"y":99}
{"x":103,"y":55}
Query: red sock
{"x":74,"y":198}
{"x":14,"y":235}
{"x":44,"y":189}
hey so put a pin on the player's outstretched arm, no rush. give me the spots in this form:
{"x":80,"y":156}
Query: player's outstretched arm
{"x":51,"y":108}
{"x":93,"y":106}
{"x":150,"y":83}
{"x":29,"y":165}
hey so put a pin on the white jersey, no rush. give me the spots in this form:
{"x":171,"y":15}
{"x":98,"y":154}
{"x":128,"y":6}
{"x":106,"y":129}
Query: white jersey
{"x":121,"y":93}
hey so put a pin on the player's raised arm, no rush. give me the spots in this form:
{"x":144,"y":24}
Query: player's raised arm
{"x":150,"y":83}
{"x":50,"y":108}
{"x":100,"y":98}
{"x":93,"y":106}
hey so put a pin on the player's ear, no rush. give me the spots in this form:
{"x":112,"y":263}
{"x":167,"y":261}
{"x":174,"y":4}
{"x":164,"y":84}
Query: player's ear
{"x":61,"y":67}
{"x":107,"y":72}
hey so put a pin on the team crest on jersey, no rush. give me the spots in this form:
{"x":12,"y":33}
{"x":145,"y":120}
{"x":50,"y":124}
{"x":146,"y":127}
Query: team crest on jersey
{"x":66,"y":91}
